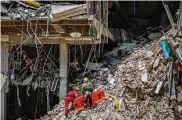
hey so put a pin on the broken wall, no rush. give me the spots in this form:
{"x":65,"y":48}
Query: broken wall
{"x":28,"y":96}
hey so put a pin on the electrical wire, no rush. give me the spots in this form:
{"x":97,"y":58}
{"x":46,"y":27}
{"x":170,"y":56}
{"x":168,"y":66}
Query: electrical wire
{"x":36,"y":106}
{"x":47,"y":56}
{"x":88,"y":59}
{"x":42,"y":47}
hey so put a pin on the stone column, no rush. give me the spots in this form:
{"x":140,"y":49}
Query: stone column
{"x":63,"y":67}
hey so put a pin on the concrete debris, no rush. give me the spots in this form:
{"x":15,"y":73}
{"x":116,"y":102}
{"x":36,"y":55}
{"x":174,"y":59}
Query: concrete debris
{"x":3,"y":10}
{"x":163,"y":38}
{"x":154,"y":36}
{"x":159,"y":85}
{"x":130,"y":96}
{"x":20,"y":12}
{"x":67,"y":11}
{"x":156,"y":63}
{"x":145,"y":77}
{"x":150,"y":53}
{"x":127,"y":45}
{"x":157,"y":49}
{"x":124,"y":35}
{"x":117,"y":34}
{"x":94,"y":66}
{"x":33,"y":9}
{"x":132,"y":75}
{"x":104,"y":69}
{"x":178,"y":109}
{"x":111,"y":79}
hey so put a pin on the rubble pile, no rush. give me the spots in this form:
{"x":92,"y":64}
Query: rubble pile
{"x":102,"y":110}
{"x":23,"y":11}
{"x":133,"y":91}
{"x":27,"y":10}
{"x":139,"y":85}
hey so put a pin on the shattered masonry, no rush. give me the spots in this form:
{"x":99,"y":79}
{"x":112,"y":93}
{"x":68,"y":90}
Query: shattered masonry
{"x":140,"y":80}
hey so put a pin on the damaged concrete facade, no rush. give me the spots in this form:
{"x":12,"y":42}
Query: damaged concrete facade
{"x":48,"y":47}
{"x":59,"y":25}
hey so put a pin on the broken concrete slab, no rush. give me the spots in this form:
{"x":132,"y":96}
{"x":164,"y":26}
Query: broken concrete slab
{"x":127,"y":45}
{"x":153,"y":36}
{"x":104,"y":69}
{"x":60,"y":12}
{"x":94,"y":66}
{"x":150,"y":53}
{"x":156,"y":63}
{"x":178,"y":109}
{"x":128,"y":86}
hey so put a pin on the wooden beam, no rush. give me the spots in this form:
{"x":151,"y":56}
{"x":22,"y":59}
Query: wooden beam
{"x":4,"y":38}
{"x":18,"y":39}
{"x":41,"y":30}
{"x":15,"y":39}
{"x":42,"y":19}
{"x":44,"y":22}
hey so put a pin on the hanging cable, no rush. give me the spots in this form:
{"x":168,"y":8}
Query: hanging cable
{"x":47,"y":57}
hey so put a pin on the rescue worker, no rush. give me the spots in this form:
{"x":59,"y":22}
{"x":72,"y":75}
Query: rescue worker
{"x":69,"y":98}
{"x":87,"y":89}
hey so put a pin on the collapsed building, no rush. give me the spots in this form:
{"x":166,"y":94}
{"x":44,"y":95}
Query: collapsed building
{"x":49,"y":47}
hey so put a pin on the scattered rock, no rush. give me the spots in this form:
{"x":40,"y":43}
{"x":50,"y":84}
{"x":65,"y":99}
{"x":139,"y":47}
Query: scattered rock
{"x":145,"y":77}
{"x":178,"y":109}
{"x":153,"y":36}
{"x":159,"y":85}
{"x":150,"y":53}
{"x":156,"y":63}
{"x":132,"y":93}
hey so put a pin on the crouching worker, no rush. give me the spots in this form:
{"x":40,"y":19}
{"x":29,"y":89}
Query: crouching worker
{"x":87,"y":89}
{"x":69,"y":98}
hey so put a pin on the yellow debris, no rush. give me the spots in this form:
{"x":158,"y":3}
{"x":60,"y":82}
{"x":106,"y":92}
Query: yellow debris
{"x":100,"y":119}
{"x":116,"y":102}
{"x":32,"y":3}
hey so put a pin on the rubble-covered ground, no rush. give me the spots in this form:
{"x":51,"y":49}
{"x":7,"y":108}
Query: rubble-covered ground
{"x":133,"y":91}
